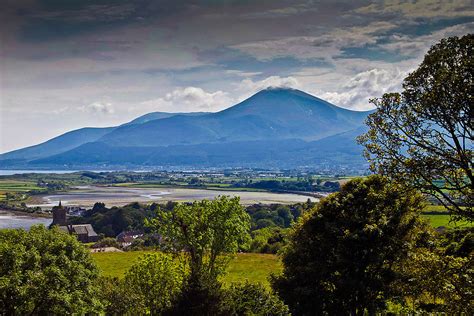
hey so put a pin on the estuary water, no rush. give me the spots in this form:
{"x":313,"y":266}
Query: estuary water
{"x":15,"y":220}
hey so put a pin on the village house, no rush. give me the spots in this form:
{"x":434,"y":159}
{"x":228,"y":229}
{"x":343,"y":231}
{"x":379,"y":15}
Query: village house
{"x":127,"y":237}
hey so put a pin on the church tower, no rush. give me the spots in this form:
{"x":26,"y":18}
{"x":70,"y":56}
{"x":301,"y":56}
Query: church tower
{"x":59,"y":215}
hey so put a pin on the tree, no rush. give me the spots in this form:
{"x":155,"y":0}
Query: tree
{"x":434,"y":282}
{"x":341,"y":256}
{"x":117,"y":298}
{"x":424,"y":136}
{"x":45,"y":272}
{"x":206,"y":232}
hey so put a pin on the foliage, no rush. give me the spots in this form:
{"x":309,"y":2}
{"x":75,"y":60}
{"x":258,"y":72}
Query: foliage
{"x":117,"y":297}
{"x":434,"y":282}
{"x":253,"y":267}
{"x":424,"y":136}
{"x":306,"y":185}
{"x":201,"y":295}
{"x":156,"y":279}
{"x":252,"y":299}
{"x":268,"y":240}
{"x":106,"y":242}
{"x":112,"y":221}
{"x":45,"y":272}
{"x":150,"y":286}
{"x":341,"y":257}
{"x":206,"y":230}
{"x":276,"y":214}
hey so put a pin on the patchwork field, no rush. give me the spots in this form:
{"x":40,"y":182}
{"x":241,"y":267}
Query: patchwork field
{"x":12,"y":186}
{"x":255,"y":268}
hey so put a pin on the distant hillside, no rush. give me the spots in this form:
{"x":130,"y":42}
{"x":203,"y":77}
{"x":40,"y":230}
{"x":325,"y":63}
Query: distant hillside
{"x":268,"y":115}
{"x":73,"y":139}
{"x":160,"y":115}
{"x":273,"y":128}
{"x":58,"y":144}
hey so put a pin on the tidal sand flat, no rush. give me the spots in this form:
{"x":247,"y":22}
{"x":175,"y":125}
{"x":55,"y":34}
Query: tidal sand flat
{"x":86,"y":196}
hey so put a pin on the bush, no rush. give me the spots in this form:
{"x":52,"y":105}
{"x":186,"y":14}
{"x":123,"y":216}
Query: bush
{"x":156,"y":279}
{"x":106,"y":242}
{"x":252,"y":299}
{"x":268,"y":240}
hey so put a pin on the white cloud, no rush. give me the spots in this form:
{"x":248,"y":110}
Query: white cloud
{"x":358,"y":90}
{"x":242,"y":73}
{"x":247,"y":86}
{"x":98,"y":107}
{"x":190,"y":99}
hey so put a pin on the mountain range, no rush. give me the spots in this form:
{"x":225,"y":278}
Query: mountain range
{"x":276,"y":127}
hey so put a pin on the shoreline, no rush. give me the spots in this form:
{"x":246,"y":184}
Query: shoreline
{"x":24,"y":214}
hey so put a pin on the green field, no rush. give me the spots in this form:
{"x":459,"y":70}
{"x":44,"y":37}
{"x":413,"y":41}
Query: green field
{"x":437,"y":220}
{"x":438,"y":216}
{"x":13,"y":186}
{"x":253,"y":267}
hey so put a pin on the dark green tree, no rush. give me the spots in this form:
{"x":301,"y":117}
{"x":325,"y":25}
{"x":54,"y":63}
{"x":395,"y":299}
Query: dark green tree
{"x":424,"y":136}
{"x":45,"y":272}
{"x":341,"y":256}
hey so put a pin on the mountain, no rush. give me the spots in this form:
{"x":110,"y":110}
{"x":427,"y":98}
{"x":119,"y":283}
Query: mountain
{"x":274,"y":128}
{"x":268,"y":115}
{"x":160,"y":115}
{"x":75,"y":138}
{"x":58,"y":144}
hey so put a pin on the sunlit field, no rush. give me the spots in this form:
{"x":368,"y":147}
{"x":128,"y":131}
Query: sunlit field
{"x":256,"y":268}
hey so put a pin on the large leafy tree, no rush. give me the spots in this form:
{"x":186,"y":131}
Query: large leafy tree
{"x":45,"y":272}
{"x":424,"y":136}
{"x":206,"y":233}
{"x":205,"y":230}
{"x":341,"y":257}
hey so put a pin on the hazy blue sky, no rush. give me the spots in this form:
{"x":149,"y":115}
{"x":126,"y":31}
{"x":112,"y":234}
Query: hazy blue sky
{"x":67,"y":64}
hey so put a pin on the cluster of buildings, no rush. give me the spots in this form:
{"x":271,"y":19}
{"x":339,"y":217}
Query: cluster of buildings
{"x":84,"y":232}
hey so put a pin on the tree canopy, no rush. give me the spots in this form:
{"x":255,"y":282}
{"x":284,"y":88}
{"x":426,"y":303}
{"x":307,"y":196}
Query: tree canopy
{"x":45,"y":272}
{"x":424,"y":136}
{"x":205,"y":230}
{"x":342,"y":255}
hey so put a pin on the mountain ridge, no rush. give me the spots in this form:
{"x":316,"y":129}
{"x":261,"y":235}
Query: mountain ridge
{"x":262,"y":130}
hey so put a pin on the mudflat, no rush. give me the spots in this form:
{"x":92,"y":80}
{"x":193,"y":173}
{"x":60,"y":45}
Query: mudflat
{"x":86,"y":196}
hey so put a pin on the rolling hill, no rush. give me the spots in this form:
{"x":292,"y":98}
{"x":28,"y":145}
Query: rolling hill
{"x":276,"y":127}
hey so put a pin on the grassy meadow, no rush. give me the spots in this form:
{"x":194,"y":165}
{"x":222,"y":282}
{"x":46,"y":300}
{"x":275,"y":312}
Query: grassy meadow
{"x":438,"y":216}
{"x":254,"y":267}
